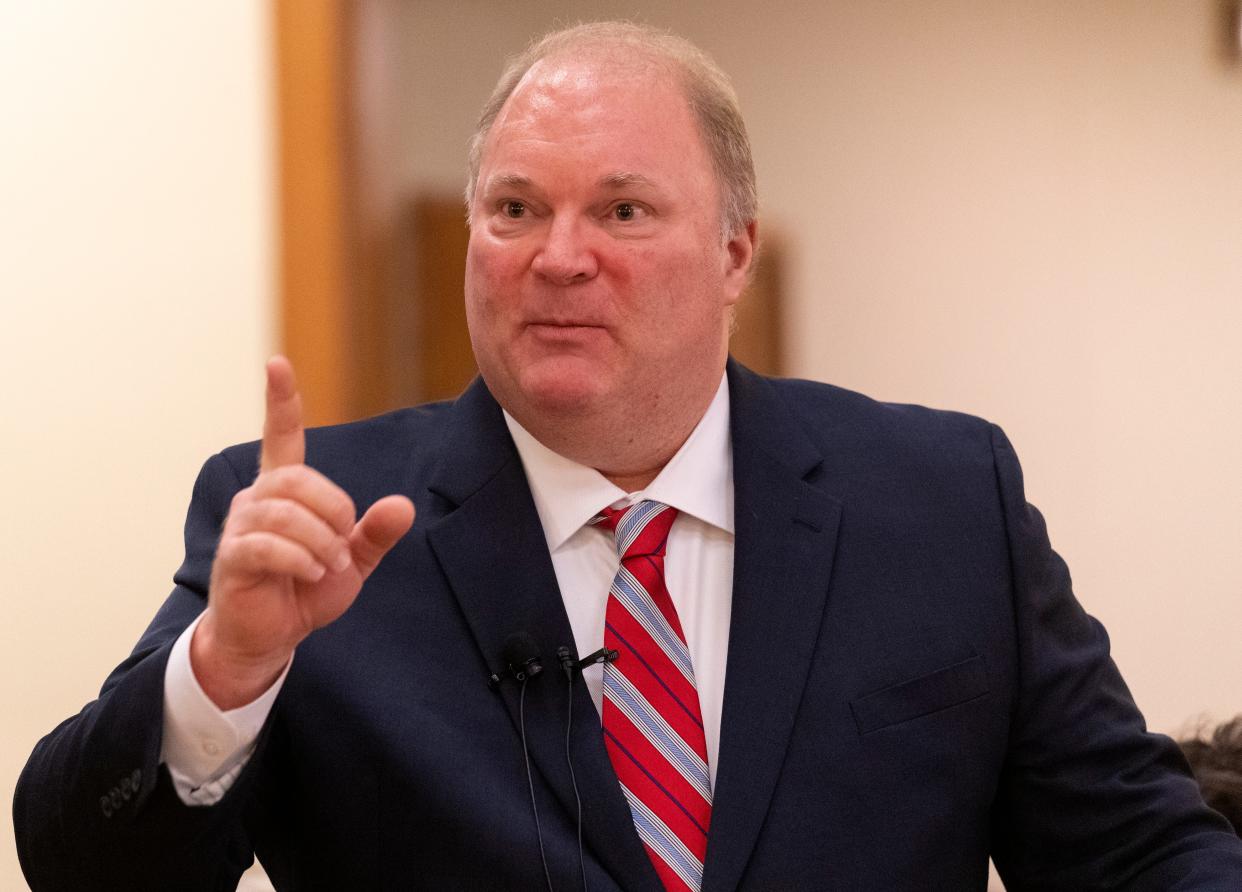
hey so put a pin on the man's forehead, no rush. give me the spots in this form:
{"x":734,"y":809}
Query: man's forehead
{"x":555,"y":85}
{"x":569,"y":99}
{"x":616,"y":180}
{"x":594,"y":65}
{"x":617,"y":124}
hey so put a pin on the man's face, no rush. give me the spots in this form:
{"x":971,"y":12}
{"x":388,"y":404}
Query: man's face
{"x":597,"y":273}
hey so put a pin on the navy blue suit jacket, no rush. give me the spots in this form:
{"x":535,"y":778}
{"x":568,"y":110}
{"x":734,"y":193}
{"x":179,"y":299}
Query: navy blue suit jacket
{"x":911,"y":686}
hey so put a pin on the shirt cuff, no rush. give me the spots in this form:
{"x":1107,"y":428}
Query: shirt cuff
{"x":204,"y":747}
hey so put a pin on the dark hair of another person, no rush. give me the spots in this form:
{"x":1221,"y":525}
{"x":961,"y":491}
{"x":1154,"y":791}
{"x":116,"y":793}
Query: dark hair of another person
{"x":1217,"y":764}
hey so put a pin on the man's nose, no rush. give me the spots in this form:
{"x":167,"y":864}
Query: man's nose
{"x":567,"y":254}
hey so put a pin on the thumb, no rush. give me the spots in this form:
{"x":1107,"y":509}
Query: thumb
{"x":384,"y":523}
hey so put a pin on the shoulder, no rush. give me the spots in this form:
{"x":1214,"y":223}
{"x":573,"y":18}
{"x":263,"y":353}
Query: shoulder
{"x":851,"y":427}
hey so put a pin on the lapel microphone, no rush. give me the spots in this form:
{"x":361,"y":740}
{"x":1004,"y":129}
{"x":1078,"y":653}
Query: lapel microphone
{"x":521,"y":660}
{"x":573,"y":666}
{"x":522,"y":656}
{"x":522,"y":663}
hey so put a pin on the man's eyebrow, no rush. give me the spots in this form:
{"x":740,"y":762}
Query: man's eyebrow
{"x":625,"y":180}
{"x":619,"y":180}
{"x":507,"y":181}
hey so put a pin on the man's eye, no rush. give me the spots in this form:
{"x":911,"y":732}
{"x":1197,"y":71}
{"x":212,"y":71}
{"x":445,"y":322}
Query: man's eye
{"x":625,"y":211}
{"x":514,"y":209}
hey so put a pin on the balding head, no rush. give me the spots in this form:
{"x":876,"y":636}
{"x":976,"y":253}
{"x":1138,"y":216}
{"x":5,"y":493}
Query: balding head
{"x":706,"y":88}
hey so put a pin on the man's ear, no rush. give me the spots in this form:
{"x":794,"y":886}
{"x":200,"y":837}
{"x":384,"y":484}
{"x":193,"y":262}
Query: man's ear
{"x":740,"y":256}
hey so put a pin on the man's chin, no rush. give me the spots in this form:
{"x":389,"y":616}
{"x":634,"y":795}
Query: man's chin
{"x":564,"y":398}
{"x":564,"y":388}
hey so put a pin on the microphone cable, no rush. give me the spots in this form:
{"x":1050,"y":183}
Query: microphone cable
{"x":521,"y":656}
{"x":531,"y":783}
{"x":569,"y":664}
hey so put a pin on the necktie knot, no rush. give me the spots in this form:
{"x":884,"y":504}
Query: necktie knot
{"x":641,"y":529}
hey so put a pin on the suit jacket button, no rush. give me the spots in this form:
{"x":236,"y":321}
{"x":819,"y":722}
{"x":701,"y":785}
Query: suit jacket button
{"x":136,"y":779}
{"x":105,"y":806}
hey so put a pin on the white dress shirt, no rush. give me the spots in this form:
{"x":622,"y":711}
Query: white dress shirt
{"x":205,"y":749}
{"x":698,"y":567}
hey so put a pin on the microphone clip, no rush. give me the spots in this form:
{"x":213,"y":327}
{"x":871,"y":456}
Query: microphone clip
{"x":572,"y":666}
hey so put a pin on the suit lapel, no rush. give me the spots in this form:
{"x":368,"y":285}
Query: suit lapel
{"x":786,"y":534}
{"x":492,"y":549}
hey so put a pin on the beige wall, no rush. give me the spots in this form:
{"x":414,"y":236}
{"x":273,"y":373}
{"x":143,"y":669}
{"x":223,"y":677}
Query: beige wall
{"x":1028,"y":211}
{"x":135,"y":303}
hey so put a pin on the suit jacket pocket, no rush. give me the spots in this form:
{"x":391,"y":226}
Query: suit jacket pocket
{"x":921,"y":696}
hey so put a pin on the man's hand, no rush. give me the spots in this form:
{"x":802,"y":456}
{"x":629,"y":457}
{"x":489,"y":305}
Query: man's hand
{"x":291,"y":558}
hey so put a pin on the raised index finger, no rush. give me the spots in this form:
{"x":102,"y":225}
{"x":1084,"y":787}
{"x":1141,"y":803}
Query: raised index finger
{"x":284,"y":443}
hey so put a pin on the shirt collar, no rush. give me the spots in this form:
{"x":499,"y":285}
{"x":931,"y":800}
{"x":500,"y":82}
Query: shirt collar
{"x":698,"y":480}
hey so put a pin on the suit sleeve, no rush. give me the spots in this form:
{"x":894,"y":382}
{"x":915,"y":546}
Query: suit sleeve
{"x":1088,"y":799}
{"x":94,"y":808}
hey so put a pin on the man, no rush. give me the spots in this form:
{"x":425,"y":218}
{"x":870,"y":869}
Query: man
{"x":846,"y":657}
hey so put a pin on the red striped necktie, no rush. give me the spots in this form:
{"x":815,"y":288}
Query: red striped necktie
{"x":653,"y":728}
